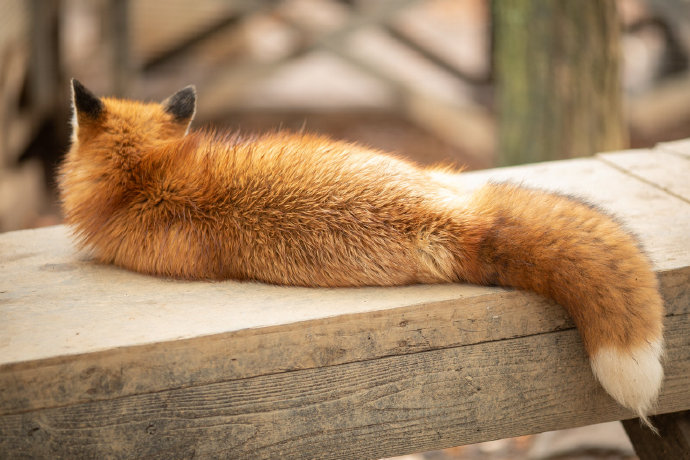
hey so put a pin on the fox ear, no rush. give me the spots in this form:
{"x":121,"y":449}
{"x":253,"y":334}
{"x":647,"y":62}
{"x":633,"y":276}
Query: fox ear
{"x":84,"y":103}
{"x":182,"y":104}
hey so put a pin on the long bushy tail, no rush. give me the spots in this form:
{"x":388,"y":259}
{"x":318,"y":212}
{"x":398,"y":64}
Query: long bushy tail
{"x":575,"y":254}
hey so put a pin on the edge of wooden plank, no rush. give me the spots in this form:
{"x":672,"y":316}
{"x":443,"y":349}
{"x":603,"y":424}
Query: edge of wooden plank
{"x":138,"y":369}
{"x":368,"y":409}
{"x":75,"y":306}
{"x":679,"y":147}
{"x":658,"y":168}
{"x":303,"y":345}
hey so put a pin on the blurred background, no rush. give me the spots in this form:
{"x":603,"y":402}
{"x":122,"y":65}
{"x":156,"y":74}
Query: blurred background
{"x":477,"y":83}
{"x":472,"y":82}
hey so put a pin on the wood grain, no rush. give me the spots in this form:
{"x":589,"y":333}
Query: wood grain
{"x":337,"y":340}
{"x":368,"y":409}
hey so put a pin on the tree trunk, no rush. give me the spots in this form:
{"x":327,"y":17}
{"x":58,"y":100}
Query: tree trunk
{"x":558,"y":79}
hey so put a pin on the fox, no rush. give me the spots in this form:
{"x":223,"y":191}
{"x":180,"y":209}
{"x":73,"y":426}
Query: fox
{"x":141,"y":190}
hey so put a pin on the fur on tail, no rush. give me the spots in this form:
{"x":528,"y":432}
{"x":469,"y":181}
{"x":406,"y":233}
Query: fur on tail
{"x":633,"y":376}
{"x":582,"y":258}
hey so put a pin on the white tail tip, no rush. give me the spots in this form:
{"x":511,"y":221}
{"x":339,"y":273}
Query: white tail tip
{"x":632,"y":377}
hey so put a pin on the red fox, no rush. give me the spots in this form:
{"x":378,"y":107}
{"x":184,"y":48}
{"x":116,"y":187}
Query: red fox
{"x":143,"y":192}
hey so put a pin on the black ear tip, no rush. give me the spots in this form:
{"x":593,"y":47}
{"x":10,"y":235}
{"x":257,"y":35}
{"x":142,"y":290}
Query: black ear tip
{"x":182,"y":104}
{"x":77,"y":87}
{"x":188,"y":92}
{"x":85,"y":102}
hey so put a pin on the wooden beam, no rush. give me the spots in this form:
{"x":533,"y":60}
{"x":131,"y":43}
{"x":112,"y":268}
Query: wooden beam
{"x":409,"y":41}
{"x":673,"y":440}
{"x":367,"y":409}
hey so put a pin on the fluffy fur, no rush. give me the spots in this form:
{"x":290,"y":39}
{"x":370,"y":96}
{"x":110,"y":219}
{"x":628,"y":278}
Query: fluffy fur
{"x":297,"y":209}
{"x":632,"y":378}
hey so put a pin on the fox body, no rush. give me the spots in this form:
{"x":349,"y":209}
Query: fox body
{"x":143,"y":193}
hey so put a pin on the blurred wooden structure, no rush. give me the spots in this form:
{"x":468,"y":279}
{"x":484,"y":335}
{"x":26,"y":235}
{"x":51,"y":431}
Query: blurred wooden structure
{"x":558,"y":79}
{"x":224,"y":80}
{"x":560,"y":94}
{"x":98,"y":362}
{"x":25,"y":61}
{"x":395,"y":61}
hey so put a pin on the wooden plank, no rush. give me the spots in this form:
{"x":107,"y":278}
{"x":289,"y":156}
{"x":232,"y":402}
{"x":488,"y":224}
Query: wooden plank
{"x":108,"y":333}
{"x":681,"y":147}
{"x":667,"y":171}
{"x":368,"y":409}
{"x":115,"y":373}
{"x":674,"y":441}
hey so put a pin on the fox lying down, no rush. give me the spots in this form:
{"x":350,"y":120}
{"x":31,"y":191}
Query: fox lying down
{"x":145,"y":193}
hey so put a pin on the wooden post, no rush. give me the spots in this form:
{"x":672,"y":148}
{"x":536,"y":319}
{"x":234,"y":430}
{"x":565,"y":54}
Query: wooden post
{"x":674,"y":441}
{"x":558,"y":79}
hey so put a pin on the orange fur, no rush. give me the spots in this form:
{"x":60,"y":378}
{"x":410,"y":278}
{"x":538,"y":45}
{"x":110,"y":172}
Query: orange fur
{"x":300,"y":209}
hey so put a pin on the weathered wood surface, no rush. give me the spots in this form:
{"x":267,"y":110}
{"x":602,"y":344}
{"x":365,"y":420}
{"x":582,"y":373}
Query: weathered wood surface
{"x":664,"y":170}
{"x":366,"y":409}
{"x":681,"y":147}
{"x":98,"y":361}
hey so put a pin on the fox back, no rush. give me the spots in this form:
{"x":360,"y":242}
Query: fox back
{"x":143,"y":192}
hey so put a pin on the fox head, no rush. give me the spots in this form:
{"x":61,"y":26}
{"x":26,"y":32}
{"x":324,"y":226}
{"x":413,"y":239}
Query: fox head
{"x":112,"y":139}
{"x":124,"y":126}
